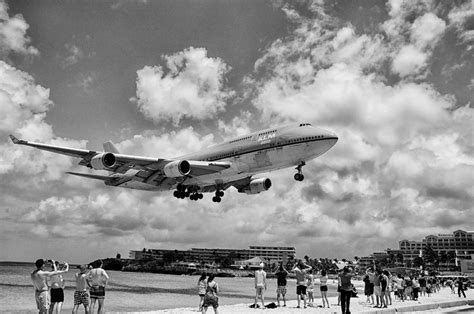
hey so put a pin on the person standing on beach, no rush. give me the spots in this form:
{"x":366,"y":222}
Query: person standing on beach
{"x":461,"y":289}
{"x":81,"y":294}
{"x":211,"y":299}
{"x":310,"y":290}
{"x":377,"y":288}
{"x":202,"y":285}
{"x":98,"y":279}
{"x":260,"y":285}
{"x":57,"y":290}
{"x":281,"y":275}
{"x":300,"y":270}
{"x":324,"y":287}
{"x":346,"y":289}
{"x":39,"y":276}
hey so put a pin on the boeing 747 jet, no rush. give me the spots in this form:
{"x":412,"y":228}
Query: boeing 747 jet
{"x":214,"y":169}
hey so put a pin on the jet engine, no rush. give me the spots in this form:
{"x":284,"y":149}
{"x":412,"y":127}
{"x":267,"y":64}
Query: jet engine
{"x":256,"y":186}
{"x":103,"y":161}
{"x":177,"y":168}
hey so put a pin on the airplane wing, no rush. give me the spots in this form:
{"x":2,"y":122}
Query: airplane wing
{"x":144,"y":169}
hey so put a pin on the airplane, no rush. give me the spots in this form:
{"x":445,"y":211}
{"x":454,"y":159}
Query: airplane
{"x":214,"y":169}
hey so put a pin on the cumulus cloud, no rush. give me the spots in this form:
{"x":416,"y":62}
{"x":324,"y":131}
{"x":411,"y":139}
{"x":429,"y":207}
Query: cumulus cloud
{"x":193,"y":87}
{"x":13,"y":34}
{"x":461,"y":18}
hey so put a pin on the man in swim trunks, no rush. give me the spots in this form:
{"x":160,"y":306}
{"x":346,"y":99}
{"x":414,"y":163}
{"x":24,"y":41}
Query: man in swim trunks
{"x":97,"y":278}
{"x":81,"y":295}
{"x":281,"y":275}
{"x":301,"y":270}
{"x":39,"y":276}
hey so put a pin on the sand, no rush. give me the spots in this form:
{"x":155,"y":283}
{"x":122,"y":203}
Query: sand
{"x":437,"y":302}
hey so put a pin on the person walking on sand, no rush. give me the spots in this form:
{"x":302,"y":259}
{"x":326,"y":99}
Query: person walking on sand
{"x":281,"y":275}
{"x":202,"y":285}
{"x":260,"y":285}
{"x":211,"y":299}
{"x":377,"y":288}
{"x":346,"y":289}
{"x":57,"y":290}
{"x":323,"y":280}
{"x":81,"y":294}
{"x":39,"y":276}
{"x":98,"y":279}
{"x":300,"y":271}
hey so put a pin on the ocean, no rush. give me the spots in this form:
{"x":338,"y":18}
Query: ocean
{"x":134,"y":292}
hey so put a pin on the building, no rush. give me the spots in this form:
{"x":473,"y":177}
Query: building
{"x":273,"y":254}
{"x":451,"y":248}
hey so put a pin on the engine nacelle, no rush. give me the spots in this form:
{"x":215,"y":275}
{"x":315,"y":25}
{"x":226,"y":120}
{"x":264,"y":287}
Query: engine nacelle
{"x":257,"y":185}
{"x":103,"y":161}
{"x":177,"y":168}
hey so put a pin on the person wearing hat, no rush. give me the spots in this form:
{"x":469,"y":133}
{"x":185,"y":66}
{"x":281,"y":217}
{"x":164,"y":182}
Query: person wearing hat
{"x":39,"y":276}
{"x":260,"y":285}
{"x":81,"y":295}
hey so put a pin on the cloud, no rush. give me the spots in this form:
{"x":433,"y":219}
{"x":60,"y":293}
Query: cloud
{"x":73,"y":55}
{"x":13,"y":34}
{"x":193,"y":87}
{"x":461,"y":18}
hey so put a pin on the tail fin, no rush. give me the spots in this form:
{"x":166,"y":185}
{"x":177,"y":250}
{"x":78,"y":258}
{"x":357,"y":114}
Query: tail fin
{"x":109,"y":147}
{"x":15,"y":140}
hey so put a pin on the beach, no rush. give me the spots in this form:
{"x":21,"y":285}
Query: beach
{"x":443,"y":301}
{"x":150,"y":293}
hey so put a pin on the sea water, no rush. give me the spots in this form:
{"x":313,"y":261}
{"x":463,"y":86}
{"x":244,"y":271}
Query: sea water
{"x":131,"y":291}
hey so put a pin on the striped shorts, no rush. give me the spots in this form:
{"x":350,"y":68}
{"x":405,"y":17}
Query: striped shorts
{"x":81,"y":297}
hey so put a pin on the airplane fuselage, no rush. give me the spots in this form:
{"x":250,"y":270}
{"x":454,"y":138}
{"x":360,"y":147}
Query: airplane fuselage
{"x":258,"y":152}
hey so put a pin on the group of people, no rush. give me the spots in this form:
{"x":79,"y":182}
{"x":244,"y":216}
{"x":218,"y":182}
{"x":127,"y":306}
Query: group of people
{"x":305,"y":283}
{"x":49,"y":286}
{"x":381,"y":284}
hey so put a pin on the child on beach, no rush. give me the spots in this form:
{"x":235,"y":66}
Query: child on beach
{"x":81,"y":295}
{"x":57,"y":290}
{"x":202,"y":285}
{"x":310,"y":289}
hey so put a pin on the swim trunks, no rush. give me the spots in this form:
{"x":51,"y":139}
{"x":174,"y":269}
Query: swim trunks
{"x":260,"y":290}
{"x":323,"y":288}
{"x":301,"y":290}
{"x":98,"y":292}
{"x":281,"y":290}
{"x":42,"y":300}
{"x":81,"y":297}
{"x":57,"y":295}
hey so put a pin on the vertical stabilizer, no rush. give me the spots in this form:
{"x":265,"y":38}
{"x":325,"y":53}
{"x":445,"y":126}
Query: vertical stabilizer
{"x":109,"y":147}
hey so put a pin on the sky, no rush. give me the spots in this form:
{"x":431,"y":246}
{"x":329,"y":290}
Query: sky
{"x":394,"y":80}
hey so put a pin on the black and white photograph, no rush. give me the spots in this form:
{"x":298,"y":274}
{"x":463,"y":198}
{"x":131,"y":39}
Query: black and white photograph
{"x":232,"y":156}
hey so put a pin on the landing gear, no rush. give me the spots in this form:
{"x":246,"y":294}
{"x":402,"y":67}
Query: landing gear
{"x":183,"y":192}
{"x":217,"y":198}
{"x":299,"y":176}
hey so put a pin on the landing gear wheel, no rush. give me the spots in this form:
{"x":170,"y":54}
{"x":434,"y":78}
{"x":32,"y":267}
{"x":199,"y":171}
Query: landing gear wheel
{"x":216,"y":199}
{"x":299,"y":177}
{"x":219,"y":193}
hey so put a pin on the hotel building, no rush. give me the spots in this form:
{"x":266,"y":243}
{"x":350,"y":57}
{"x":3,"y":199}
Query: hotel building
{"x":272,"y":254}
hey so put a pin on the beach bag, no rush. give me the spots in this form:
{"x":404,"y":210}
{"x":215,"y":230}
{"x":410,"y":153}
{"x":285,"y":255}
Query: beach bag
{"x":271,"y":306}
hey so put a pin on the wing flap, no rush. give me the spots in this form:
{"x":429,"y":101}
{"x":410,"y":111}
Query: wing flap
{"x":200,"y":168}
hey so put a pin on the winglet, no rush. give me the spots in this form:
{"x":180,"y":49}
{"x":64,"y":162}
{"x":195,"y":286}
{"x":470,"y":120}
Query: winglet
{"x":16,"y":141}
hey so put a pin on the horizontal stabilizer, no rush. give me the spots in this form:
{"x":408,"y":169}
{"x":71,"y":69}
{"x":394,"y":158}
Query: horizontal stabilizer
{"x":90,"y":176}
